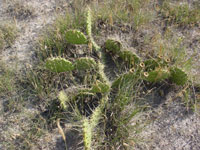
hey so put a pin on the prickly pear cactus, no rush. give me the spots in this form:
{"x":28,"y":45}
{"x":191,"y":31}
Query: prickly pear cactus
{"x":100,"y":87}
{"x":178,"y":76}
{"x":127,"y":56}
{"x":151,"y":64}
{"x":76,"y":37}
{"x":85,"y":63}
{"x":59,"y":65}
{"x":152,"y":70}
{"x":130,"y":57}
{"x":156,"y":75}
{"x":113,"y":46}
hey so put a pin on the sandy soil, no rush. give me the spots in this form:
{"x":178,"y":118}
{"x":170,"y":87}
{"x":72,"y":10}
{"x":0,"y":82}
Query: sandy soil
{"x":29,"y":25}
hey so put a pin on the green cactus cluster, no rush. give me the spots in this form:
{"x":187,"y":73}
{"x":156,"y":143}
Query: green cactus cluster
{"x":154,"y":70}
{"x":115,"y":47}
{"x":151,"y":70}
{"x":59,"y":64}
{"x":62,"y":65}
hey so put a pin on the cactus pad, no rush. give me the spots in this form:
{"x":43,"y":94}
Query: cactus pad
{"x":100,"y":87}
{"x":113,"y":46}
{"x":150,"y":64}
{"x":178,"y":76}
{"x":59,"y":65}
{"x":85,"y":63}
{"x":157,"y":75}
{"x":129,"y":57}
{"x":75,"y":37}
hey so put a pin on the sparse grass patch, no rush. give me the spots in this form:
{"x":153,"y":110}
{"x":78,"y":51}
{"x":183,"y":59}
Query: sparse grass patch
{"x":40,"y":82}
{"x":19,"y":10}
{"x":180,"y":14}
{"x":34,"y":127}
{"x":134,"y":12}
{"x":7,"y":80}
{"x":53,"y":42}
{"x":119,"y":115}
{"x":18,"y":106}
{"x":171,"y":48}
{"x":8,"y":34}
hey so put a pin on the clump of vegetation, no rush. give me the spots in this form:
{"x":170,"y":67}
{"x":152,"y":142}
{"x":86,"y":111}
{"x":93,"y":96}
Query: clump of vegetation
{"x":8,"y":34}
{"x":73,"y":83}
{"x":100,"y":96}
{"x":181,"y":14}
{"x":7,"y":80}
{"x":132,"y":12}
{"x":73,"y":86}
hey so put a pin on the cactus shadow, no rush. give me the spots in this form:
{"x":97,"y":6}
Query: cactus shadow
{"x":157,"y":96}
{"x":73,"y":141}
